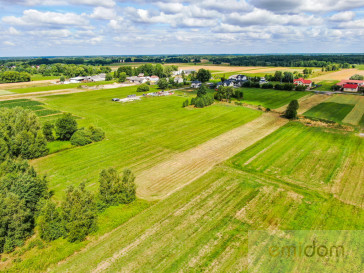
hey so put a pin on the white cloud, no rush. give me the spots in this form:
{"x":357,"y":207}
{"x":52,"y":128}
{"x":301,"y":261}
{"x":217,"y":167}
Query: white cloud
{"x":7,"y":43}
{"x":265,"y":17}
{"x":103,"y":13}
{"x":102,"y":3}
{"x":13,"y":31}
{"x":33,"y":17}
{"x":307,"y":5}
{"x":356,"y":24}
{"x":343,"y":16}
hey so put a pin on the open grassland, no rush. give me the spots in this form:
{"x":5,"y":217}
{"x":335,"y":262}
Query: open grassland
{"x":330,"y":111}
{"x":356,"y":114}
{"x":57,"y":87}
{"x":204,"y":227}
{"x":343,"y":74}
{"x":138,"y":134}
{"x":270,"y":98}
{"x":163,"y":179}
{"x":39,"y":77}
{"x":36,"y":106}
{"x":310,"y":157}
{"x":325,"y":85}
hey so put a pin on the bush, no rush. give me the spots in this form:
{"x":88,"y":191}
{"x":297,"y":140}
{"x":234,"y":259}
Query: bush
{"x":66,"y":126}
{"x":21,"y":134}
{"x":116,"y":190}
{"x":301,"y":88}
{"x":267,"y":86}
{"x":255,"y":85}
{"x":81,"y":138}
{"x":185,"y":103}
{"x":48,"y":131}
{"x":96,"y":134}
{"x":143,"y":88}
{"x":79,"y":213}
{"x":291,"y":112}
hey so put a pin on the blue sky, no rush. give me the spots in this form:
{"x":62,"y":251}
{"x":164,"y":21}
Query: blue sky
{"x":118,"y":27}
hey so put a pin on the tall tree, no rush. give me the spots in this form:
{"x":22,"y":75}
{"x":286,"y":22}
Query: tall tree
{"x":66,"y":126}
{"x":203,"y":75}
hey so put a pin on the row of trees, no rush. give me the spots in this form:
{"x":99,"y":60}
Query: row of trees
{"x":76,"y":217}
{"x":14,"y":76}
{"x":162,"y":71}
{"x":228,"y":92}
{"x":339,"y":60}
{"x":25,"y":200}
{"x":23,"y":71}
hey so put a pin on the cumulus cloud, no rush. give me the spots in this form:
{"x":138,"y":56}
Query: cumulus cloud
{"x":103,"y":13}
{"x":8,"y":43}
{"x":33,"y":17}
{"x":356,"y":24}
{"x":308,"y":5}
{"x":343,"y":16}
{"x":265,"y":17}
{"x":102,"y":3}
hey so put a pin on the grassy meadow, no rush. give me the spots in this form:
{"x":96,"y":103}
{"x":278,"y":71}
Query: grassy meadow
{"x":138,"y":134}
{"x":270,"y":98}
{"x":330,"y":111}
{"x":205,"y":226}
{"x":53,"y":87}
{"x":296,"y":178}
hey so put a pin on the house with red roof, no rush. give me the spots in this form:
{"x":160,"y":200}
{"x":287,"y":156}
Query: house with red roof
{"x":302,"y":81}
{"x":350,"y":87}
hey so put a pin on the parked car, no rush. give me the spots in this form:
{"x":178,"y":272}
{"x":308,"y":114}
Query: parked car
{"x":115,"y":99}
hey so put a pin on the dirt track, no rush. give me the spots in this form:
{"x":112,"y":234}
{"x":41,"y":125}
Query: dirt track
{"x":173,"y":174}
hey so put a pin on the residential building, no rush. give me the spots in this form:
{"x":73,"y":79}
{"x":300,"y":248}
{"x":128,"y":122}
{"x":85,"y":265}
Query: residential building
{"x":302,"y":81}
{"x":196,"y":84}
{"x":350,"y":87}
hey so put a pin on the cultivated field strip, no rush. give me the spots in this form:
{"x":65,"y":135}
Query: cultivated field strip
{"x":339,"y":75}
{"x":306,"y":103}
{"x":357,"y":113}
{"x":169,"y":176}
{"x":204,"y":226}
{"x":310,"y":157}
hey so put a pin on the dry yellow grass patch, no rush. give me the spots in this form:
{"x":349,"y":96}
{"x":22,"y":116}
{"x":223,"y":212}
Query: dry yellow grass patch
{"x":25,"y":84}
{"x":356,"y":114}
{"x":306,"y":103}
{"x":339,"y":75}
{"x":171,"y":175}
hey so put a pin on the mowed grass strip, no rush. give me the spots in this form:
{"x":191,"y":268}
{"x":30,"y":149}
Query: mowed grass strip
{"x":53,"y":87}
{"x":311,"y":157}
{"x":270,"y":98}
{"x":138,"y":134}
{"x":331,"y":111}
{"x":204,"y":227}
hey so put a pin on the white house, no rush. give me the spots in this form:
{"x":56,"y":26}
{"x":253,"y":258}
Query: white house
{"x":178,"y":80}
{"x":153,"y":79}
{"x":196,"y":84}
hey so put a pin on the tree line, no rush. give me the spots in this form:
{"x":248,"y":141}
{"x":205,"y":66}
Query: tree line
{"x":26,"y":201}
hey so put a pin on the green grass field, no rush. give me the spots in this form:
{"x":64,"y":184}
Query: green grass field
{"x":38,"y":77}
{"x":330,"y":111}
{"x":205,"y":226}
{"x":311,"y":157}
{"x":270,"y":98}
{"x":138,"y":134}
{"x":53,"y":87}
{"x":325,"y":85}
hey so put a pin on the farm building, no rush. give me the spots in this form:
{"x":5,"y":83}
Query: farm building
{"x":153,"y":79}
{"x":302,"y":81}
{"x":178,"y":80}
{"x":77,"y":79}
{"x":238,"y":77}
{"x":196,"y":84}
{"x":357,"y":82}
{"x":350,"y":87}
